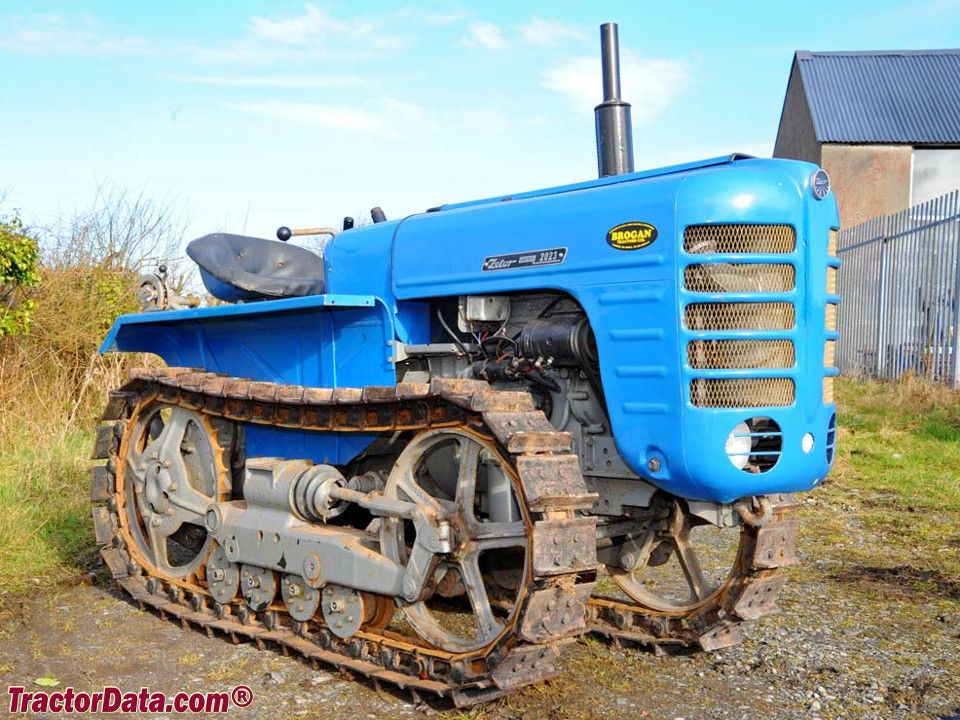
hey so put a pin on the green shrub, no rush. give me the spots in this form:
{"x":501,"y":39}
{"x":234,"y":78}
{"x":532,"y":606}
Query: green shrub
{"x":19,"y":260}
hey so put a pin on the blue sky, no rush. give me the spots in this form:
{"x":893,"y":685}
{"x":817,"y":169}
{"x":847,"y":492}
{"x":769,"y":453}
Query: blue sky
{"x":254,"y":114}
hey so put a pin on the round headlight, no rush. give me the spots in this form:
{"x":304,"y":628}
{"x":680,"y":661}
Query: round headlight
{"x":739,"y":444}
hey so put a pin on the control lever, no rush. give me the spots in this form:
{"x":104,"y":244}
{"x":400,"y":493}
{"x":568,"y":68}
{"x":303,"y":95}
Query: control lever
{"x":284,"y":233}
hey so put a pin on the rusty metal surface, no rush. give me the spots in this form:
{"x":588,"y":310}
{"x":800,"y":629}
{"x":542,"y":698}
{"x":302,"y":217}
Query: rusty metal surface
{"x":106,"y":442}
{"x":115,"y":562}
{"x":104,"y":524}
{"x":758,"y":598}
{"x":720,"y":636}
{"x":524,"y":666}
{"x":554,"y":481}
{"x":524,"y":654}
{"x":101,"y":485}
{"x":522,"y":432}
{"x":776,"y":546}
{"x":555,"y":613}
{"x":564,"y":546}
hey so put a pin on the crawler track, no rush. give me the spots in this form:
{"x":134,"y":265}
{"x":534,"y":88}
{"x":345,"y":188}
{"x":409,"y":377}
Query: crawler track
{"x":555,"y":605}
{"x":562,"y":556}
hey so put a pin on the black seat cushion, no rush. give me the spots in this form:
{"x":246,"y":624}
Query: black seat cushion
{"x":256,"y":267}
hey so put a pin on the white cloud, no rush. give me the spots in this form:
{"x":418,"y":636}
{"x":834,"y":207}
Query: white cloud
{"x":52,"y":32}
{"x":649,"y":84}
{"x":309,"y":28}
{"x":430,"y":18}
{"x":390,"y":117}
{"x":384,"y":117}
{"x":281,"y":81}
{"x":485,"y":34}
{"x":549,"y":32}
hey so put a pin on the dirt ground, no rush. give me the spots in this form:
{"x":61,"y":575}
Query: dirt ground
{"x":852,"y":642}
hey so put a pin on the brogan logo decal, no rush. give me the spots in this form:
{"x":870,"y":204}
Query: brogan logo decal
{"x":631,"y":236}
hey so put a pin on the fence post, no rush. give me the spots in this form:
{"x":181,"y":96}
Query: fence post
{"x":954,"y":221}
{"x":882,"y":302}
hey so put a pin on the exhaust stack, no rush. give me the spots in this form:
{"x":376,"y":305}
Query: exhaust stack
{"x":614,"y":133}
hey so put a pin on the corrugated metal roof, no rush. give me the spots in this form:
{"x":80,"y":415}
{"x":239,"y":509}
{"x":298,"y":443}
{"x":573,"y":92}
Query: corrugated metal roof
{"x":897,"y":96}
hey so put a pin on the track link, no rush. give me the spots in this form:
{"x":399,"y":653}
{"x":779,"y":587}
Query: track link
{"x":562,"y":549}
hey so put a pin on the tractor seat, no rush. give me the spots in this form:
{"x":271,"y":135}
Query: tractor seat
{"x":239,"y":268}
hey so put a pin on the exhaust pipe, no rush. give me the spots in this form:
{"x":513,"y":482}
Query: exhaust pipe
{"x":614,"y":133}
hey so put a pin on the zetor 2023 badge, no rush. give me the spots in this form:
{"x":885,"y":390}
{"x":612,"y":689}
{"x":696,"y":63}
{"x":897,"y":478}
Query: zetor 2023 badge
{"x":631,"y":236}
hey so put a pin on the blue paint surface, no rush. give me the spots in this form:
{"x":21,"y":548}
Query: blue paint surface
{"x":318,"y":341}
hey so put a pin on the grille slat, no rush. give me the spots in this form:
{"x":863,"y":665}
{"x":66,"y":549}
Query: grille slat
{"x":739,"y":278}
{"x":741,"y":392}
{"x":739,"y":316}
{"x":773,"y":239}
{"x":740,"y":354}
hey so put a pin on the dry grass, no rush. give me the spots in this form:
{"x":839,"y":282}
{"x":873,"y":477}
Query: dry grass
{"x":52,"y":385}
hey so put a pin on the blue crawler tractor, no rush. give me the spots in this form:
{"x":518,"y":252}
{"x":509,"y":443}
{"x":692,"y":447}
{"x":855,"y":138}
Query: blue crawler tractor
{"x":456,"y":442}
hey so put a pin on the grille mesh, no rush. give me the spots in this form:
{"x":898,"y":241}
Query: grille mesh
{"x":828,"y":390}
{"x":741,"y":392}
{"x":739,"y":316}
{"x":831,"y":281}
{"x":739,"y":278}
{"x":777,"y":239}
{"x":722,"y":354}
{"x":830,"y":353}
{"x":831,"y":316}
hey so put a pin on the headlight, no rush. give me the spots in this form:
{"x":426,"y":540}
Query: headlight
{"x":739,"y":444}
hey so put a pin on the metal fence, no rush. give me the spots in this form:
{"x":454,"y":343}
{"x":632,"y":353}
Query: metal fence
{"x":900,"y":282}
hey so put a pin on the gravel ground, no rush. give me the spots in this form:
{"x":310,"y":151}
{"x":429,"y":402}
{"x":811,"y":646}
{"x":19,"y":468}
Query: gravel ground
{"x":853,"y":641}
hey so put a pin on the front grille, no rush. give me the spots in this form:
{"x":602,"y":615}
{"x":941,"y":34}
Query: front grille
{"x":704,"y":239}
{"x":734,"y":354}
{"x":739,"y":278}
{"x":743,"y":274}
{"x":741,"y":392}
{"x":739,"y":316}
